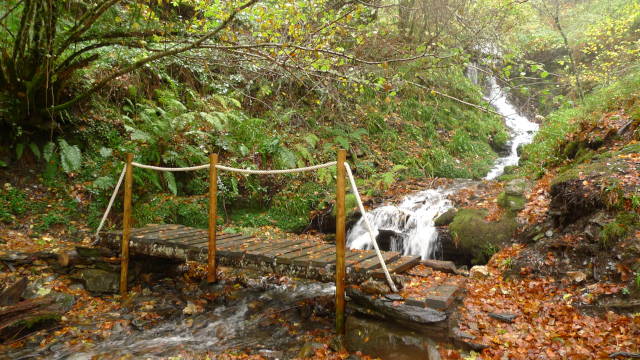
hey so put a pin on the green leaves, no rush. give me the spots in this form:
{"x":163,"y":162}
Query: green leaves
{"x":70,"y":157}
{"x":171,"y":182}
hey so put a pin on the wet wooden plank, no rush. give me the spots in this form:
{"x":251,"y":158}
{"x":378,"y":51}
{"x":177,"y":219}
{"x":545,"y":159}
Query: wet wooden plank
{"x":153,"y":228}
{"x":357,"y":256}
{"x":172,"y":235}
{"x":241,"y":243}
{"x":374,"y":263}
{"x":195,"y":238}
{"x":297,"y":254}
{"x":317,"y":258}
{"x":400,"y":265}
{"x":270,"y":253}
{"x":146,"y":229}
{"x":223,"y":239}
{"x":239,"y":249}
{"x":163,"y":235}
{"x":296,"y":245}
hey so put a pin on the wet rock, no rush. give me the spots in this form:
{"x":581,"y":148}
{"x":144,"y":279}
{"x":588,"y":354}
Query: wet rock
{"x":309,"y":349}
{"x":446,"y":218}
{"x":271,"y":354}
{"x":479,"y":239}
{"x":513,"y":203}
{"x":99,"y":281}
{"x":440,"y":265}
{"x":479,"y":272}
{"x":64,"y":302}
{"x":76,"y":287}
{"x":394,"y":297}
{"x":374,"y":287}
{"x":432,"y":351}
{"x":413,"y":314}
{"x":516,"y":187}
{"x":192,"y":308}
{"x":508,"y":318}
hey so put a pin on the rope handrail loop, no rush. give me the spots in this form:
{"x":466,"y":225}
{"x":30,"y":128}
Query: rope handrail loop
{"x":352,"y":182}
{"x":236,"y":170}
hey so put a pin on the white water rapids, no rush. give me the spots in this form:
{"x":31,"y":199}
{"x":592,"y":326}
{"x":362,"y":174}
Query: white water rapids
{"x":410,"y":225}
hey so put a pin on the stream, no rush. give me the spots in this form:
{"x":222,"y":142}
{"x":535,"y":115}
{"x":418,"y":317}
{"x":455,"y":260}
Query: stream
{"x":408,"y":227}
{"x":276,"y":320}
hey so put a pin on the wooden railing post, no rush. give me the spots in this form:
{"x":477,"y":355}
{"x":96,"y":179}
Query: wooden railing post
{"x":126,"y":226}
{"x":340,"y":242}
{"x":212,"y":264}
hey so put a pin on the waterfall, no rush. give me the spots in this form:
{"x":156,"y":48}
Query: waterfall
{"x":409,"y":227}
{"x":522,"y":129}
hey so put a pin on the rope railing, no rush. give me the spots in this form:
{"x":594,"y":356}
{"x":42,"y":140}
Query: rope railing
{"x":354,"y":188}
{"x":350,"y":176}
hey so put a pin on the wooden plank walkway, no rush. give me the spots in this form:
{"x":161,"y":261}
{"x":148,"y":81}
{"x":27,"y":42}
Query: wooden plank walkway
{"x":297,"y":257}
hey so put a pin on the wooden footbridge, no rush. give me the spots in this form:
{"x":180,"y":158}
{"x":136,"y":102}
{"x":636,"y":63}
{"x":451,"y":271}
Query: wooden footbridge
{"x":297,"y":257}
{"x":304,"y":258}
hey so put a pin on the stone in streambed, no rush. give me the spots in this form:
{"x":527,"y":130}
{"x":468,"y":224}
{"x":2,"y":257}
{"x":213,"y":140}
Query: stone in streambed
{"x":446,"y":218}
{"x":477,"y":238}
{"x":479,"y":272}
{"x":508,"y":318}
{"x":514,"y":203}
{"x":440,"y":265}
{"x":309,"y":349}
{"x":99,"y":281}
{"x":374,"y":287}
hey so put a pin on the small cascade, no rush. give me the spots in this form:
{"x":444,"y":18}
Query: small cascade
{"x":522,"y":129}
{"x":408,"y":227}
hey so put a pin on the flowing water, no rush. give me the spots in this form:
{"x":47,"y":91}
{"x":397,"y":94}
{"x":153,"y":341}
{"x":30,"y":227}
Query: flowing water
{"x":522,"y":129}
{"x":409,"y":226}
{"x":256,"y":318}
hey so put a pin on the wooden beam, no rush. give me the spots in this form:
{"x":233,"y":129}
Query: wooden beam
{"x":340,"y":242}
{"x":212,"y":265}
{"x":126,"y":227}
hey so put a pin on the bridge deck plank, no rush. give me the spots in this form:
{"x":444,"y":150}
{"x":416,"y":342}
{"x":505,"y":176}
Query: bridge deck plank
{"x":295,"y":252}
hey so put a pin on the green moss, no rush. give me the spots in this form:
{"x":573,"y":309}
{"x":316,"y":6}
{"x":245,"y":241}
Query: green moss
{"x":623,"y":224}
{"x":513,"y":203}
{"x":478,"y":237}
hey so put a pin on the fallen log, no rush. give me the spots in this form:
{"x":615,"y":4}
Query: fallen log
{"x":27,"y":316}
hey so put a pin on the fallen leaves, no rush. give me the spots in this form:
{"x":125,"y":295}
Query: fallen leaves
{"x":548,"y":325}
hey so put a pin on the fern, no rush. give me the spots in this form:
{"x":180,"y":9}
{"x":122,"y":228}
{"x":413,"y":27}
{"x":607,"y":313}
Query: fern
{"x":48,"y":151}
{"x":70,"y":156}
{"x":171,"y":182}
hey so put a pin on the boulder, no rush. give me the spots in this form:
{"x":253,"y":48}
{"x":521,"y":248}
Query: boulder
{"x":512,"y":203}
{"x":479,"y":239}
{"x":408,"y":313}
{"x":446,"y":218}
{"x":97,"y":280}
{"x":479,"y":272}
{"x":309,"y":349}
{"x":374,"y":287}
{"x":516,"y":187}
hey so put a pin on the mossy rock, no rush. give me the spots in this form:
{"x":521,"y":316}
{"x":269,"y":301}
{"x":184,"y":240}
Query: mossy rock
{"x":446,"y":218}
{"x":516,"y":187}
{"x":479,"y":238}
{"x":513,"y":203}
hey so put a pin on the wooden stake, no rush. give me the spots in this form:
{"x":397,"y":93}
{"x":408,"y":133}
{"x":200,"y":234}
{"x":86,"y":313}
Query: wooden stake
{"x":340,"y":242}
{"x":126,"y":227}
{"x":212,"y":265}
